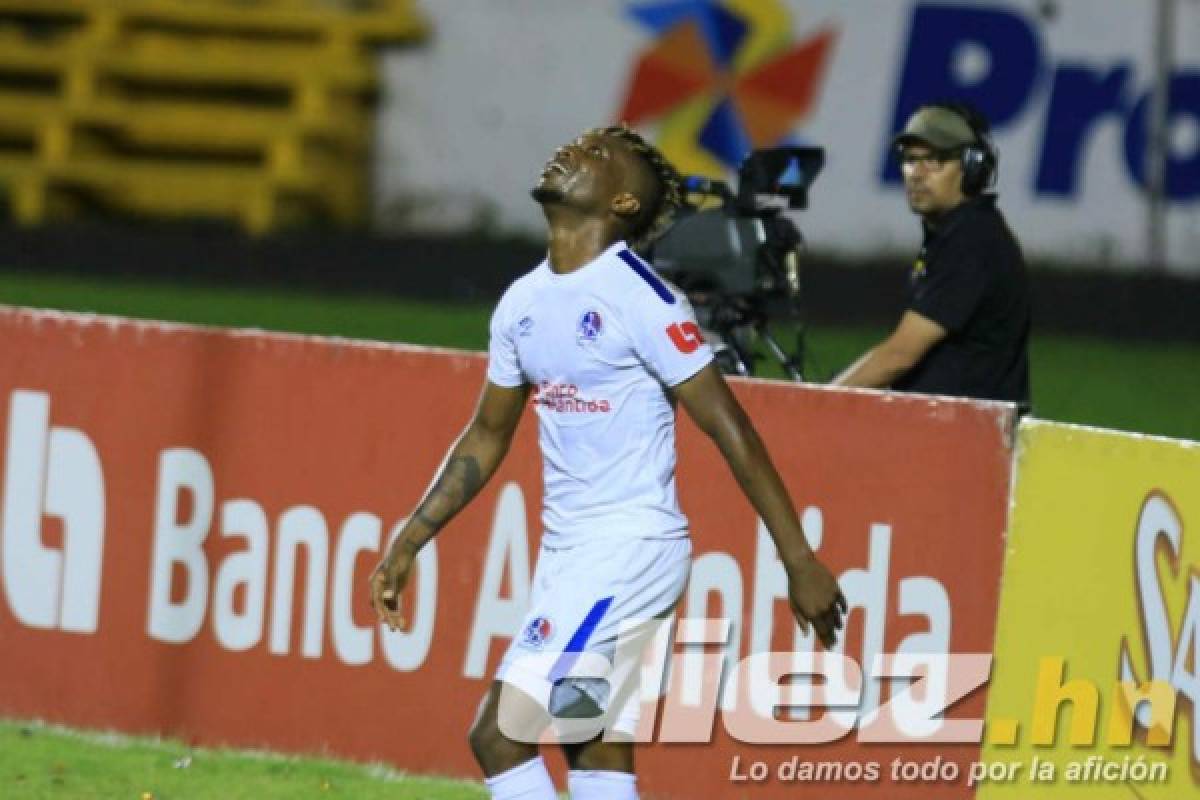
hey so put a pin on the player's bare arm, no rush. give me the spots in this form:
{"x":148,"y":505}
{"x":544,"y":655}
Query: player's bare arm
{"x":914,"y":336}
{"x":812,"y":589}
{"x":470,"y":463}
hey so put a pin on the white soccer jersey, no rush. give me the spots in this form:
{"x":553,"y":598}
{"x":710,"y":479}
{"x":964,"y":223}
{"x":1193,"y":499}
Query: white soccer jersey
{"x":599,"y":346}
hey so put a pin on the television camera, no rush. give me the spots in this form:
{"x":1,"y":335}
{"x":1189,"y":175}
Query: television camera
{"x":738,"y":258}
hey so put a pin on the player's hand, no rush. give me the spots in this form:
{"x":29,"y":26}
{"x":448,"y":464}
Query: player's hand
{"x":816,"y":599}
{"x":387,"y":584}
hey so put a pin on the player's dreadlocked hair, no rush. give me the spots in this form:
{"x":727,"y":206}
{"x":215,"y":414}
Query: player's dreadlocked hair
{"x":654,"y":219}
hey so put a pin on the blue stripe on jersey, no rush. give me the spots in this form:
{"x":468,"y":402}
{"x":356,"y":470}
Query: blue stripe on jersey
{"x":579,"y":639}
{"x":648,"y":276}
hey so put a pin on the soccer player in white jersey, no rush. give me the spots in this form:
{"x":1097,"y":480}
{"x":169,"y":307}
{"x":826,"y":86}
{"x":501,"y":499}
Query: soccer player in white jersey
{"x":603,"y":349}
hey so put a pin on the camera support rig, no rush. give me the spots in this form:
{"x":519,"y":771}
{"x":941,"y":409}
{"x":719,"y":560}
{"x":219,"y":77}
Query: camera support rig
{"x":739,"y":261}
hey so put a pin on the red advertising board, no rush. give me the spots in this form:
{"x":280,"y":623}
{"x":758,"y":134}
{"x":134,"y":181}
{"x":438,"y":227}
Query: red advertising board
{"x":190,"y":516}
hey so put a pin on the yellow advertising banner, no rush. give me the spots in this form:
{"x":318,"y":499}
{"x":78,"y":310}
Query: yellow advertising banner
{"x":1095,"y":690}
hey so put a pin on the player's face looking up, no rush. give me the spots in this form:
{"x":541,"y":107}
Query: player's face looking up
{"x":597,"y":175}
{"x":932,"y":179}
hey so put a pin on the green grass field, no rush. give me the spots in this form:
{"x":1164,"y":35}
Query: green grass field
{"x":40,"y":762}
{"x":1149,"y":388}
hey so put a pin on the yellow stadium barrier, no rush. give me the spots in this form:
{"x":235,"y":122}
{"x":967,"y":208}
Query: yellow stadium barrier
{"x":116,"y":101}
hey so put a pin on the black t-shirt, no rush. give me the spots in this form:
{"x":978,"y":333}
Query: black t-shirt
{"x":970,"y":279}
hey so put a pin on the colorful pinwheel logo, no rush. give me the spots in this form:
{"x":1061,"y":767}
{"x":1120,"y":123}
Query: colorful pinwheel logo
{"x":722,"y":77}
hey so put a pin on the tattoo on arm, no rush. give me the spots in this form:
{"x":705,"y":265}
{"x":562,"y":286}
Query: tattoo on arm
{"x":458,"y":482}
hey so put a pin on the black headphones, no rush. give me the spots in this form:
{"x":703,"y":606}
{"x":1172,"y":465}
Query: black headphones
{"x":979,"y":162}
{"x":979,"y":159}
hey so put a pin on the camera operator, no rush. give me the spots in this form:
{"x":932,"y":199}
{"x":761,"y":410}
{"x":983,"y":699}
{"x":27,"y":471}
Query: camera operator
{"x":965,"y":330}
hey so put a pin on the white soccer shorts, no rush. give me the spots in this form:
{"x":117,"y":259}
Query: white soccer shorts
{"x":583,"y":598}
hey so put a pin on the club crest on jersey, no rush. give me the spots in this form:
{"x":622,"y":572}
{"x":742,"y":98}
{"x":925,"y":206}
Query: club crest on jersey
{"x":591,"y":325}
{"x":525,"y":326}
{"x":539,"y":631}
